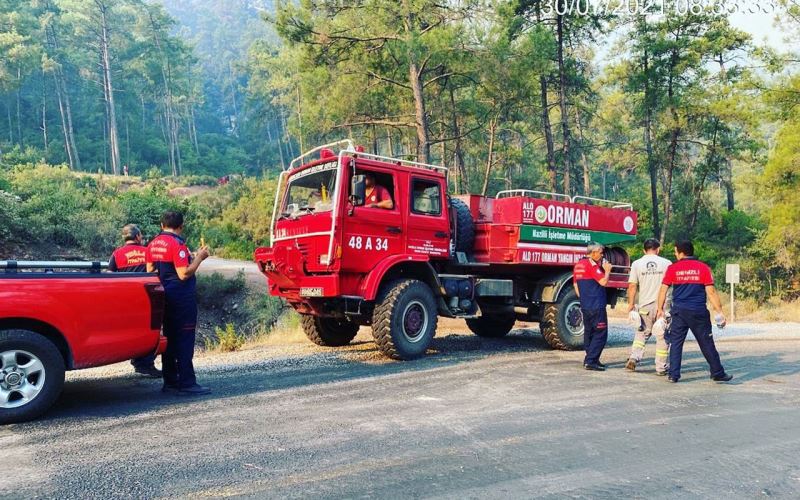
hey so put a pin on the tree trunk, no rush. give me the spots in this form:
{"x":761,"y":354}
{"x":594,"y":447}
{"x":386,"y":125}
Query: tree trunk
{"x":300,"y":121}
{"x":113,"y":135}
{"x":651,"y":164}
{"x":19,"y":107}
{"x":194,"y":131}
{"x":673,"y":147}
{"x":461,"y":179}
{"x":587,"y":178}
{"x":548,"y":136}
{"x":62,"y":114}
{"x":415,"y":82}
{"x":562,"y":92}
{"x":423,"y":142}
{"x":44,"y":112}
{"x":490,"y":160}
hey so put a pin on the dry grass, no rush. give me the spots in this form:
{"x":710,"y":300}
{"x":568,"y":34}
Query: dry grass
{"x":772,"y":311}
{"x":287,"y":330}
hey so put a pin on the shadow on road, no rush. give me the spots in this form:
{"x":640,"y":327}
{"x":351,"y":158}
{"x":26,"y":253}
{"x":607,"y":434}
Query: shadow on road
{"x":127,"y":395}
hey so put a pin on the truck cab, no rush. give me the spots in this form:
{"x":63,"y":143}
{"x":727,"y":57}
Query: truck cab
{"x":343,"y":262}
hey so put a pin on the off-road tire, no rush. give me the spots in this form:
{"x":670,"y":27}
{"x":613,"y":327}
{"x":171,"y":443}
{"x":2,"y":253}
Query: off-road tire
{"x":53,"y":372}
{"x":491,"y":326}
{"x":402,"y":303}
{"x":328,"y":332}
{"x":465,"y":226}
{"x":554,"y":323}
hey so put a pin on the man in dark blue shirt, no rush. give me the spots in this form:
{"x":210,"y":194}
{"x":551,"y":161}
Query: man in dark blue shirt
{"x":590,"y":278}
{"x":169,"y":256}
{"x":693,"y":285}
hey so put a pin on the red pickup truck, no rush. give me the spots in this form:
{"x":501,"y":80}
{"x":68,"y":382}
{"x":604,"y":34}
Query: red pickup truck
{"x":57,"y":316}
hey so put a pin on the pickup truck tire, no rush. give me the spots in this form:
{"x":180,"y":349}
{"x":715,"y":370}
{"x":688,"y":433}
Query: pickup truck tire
{"x":490,"y":326}
{"x":31,"y":375}
{"x":465,"y":226}
{"x":562,"y":322}
{"x":328,"y":332}
{"x":404,"y":319}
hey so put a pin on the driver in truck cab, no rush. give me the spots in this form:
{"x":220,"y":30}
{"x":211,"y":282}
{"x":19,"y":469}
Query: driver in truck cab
{"x":377,"y":196}
{"x":131,"y":257}
{"x":590,"y":278}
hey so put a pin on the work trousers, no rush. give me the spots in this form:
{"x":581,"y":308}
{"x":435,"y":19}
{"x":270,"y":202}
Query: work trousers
{"x":699,"y":322}
{"x":144,"y":361}
{"x":648,"y":314}
{"x":180,"y":324}
{"x":595,"y":334}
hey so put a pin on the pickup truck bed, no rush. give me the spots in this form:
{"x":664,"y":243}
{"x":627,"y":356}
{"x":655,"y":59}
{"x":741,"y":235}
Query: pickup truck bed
{"x":57,"y":316}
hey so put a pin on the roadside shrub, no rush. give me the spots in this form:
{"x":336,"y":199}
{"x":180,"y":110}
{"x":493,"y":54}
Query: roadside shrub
{"x":10,"y":227}
{"x":214,"y":289}
{"x":226,"y":340}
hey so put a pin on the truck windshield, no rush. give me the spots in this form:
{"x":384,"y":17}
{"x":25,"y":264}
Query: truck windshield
{"x":310,"y":190}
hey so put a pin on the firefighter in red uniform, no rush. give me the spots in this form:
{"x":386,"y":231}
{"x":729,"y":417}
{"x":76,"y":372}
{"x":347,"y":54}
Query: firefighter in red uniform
{"x":590,"y":277}
{"x":170,"y":257}
{"x":131,"y":258}
{"x":377,"y":196}
{"x":692,"y":285}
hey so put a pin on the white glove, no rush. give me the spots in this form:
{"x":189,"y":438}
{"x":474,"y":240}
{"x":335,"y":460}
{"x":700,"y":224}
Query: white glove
{"x":719,"y":319}
{"x":659,"y":327}
{"x":635,"y":318}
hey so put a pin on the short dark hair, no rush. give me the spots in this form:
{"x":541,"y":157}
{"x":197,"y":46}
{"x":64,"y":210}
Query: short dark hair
{"x":651,"y":244}
{"x":369,"y":175}
{"x":685,"y":247}
{"x":130,"y":232}
{"x":172,"y":220}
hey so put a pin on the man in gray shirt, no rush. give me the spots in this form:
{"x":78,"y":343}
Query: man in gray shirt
{"x":646,"y":275}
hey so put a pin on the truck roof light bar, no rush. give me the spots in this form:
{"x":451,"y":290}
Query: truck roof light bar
{"x":348,"y":146}
{"x":614,"y":204}
{"x":574,"y":199}
{"x":407,"y":163}
{"x":524,"y":192}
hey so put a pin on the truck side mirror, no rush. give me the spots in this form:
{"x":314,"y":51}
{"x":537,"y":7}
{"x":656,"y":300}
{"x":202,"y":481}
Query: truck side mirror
{"x":358,"y":190}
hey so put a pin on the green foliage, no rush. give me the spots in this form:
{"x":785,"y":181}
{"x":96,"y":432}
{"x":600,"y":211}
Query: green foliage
{"x":227,"y":339}
{"x":213,"y":290}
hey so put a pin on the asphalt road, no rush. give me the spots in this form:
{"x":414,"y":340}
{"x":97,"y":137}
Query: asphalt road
{"x":475,"y":419}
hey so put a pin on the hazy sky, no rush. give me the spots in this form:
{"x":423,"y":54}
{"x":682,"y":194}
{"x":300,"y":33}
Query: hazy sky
{"x":761,"y":26}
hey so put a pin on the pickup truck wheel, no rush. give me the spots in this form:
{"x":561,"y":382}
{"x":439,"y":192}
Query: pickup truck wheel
{"x":490,"y":326}
{"x":329,"y":332}
{"x":404,"y":319}
{"x":562,"y":323}
{"x":31,"y":375}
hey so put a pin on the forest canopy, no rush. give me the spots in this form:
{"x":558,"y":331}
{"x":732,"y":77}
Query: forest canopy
{"x":683,"y":114}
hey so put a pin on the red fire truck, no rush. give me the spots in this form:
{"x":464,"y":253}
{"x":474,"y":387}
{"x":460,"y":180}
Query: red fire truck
{"x":490,"y":260}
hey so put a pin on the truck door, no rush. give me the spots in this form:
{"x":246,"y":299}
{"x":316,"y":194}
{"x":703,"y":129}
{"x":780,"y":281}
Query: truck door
{"x":372,"y":234}
{"x":428,"y":229}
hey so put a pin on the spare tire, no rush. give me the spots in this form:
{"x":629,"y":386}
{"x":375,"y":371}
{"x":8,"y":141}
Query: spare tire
{"x":465,"y":226}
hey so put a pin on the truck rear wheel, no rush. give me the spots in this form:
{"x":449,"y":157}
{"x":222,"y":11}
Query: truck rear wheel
{"x":562,"y":323}
{"x":328,"y":332}
{"x":404,"y":319}
{"x":491,"y":326}
{"x":31,"y":375}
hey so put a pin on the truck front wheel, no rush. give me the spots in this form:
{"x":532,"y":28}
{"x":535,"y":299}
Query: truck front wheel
{"x":31,"y":375}
{"x":329,"y":332}
{"x":562,"y":323}
{"x":404,"y":319}
{"x":491,"y":326}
